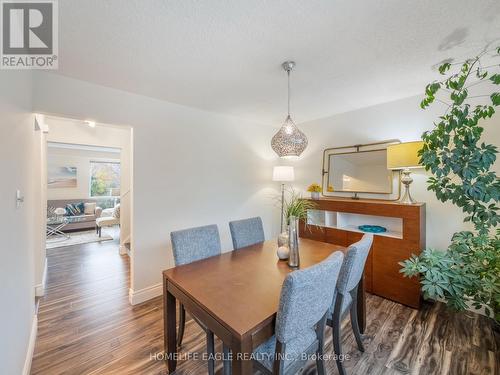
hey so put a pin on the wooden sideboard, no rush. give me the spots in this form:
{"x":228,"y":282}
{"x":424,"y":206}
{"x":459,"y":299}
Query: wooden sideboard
{"x":335,"y":220}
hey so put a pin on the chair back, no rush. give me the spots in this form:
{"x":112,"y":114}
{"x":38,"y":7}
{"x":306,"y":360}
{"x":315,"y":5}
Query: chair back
{"x":194,"y":244}
{"x":354,"y":264}
{"x":246,"y":232}
{"x":305,"y":297}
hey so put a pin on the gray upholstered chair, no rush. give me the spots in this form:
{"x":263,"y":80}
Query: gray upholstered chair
{"x":346,"y":295}
{"x":305,"y":298}
{"x":246,"y":232}
{"x":190,"y":245}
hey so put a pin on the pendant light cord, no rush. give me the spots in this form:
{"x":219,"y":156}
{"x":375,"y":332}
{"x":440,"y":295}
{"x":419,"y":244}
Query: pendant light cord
{"x":288,"y":72}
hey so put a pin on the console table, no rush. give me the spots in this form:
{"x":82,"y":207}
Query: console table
{"x":336,"y":221}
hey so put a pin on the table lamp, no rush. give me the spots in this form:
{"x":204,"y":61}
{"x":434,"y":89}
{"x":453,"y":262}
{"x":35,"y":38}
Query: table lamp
{"x":404,"y":157}
{"x":283,"y":174}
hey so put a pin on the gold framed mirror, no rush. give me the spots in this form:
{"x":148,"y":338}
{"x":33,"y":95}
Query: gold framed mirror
{"x":360,"y":169}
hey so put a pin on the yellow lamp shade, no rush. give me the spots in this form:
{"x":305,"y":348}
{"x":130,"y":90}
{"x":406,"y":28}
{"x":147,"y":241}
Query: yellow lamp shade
{"x":404,"y":155}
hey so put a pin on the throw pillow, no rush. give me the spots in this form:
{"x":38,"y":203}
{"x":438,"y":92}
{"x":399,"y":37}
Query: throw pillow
{"x":71,"y":210}
{"x":51,"y":211}
{"x":116,"y":211}
{"x":80,"y":206}
{"x":75,"y":209}
{"x":89,"y":208}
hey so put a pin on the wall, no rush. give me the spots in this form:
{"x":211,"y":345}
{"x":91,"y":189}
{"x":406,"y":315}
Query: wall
{"x":190,"y":167}
{"x":64,"y":130}
{"x":17,"y":225}
{"x":61,"y":157}
{"x":404,"y":120}
{"x":39,"y":169}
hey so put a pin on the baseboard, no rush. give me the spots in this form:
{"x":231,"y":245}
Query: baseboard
{"x":123,"y":250}
{"x":31,"y":346}
{"x":139,"y":296}
{"x":40,"y":288}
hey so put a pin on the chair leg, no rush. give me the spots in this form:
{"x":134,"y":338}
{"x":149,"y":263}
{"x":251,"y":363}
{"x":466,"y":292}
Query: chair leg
{"x":337,"y":347}
{"x":355,"y":323}
{"x":182,"y":325}
{"x":227,"y":361}
{"x":320,"y":365}
{"x":211,"y":352}
{"x":337,"y":335}
{"x":320,"y":334}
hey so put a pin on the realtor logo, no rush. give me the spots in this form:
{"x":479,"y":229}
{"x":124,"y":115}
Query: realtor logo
{"x":29,"y":37}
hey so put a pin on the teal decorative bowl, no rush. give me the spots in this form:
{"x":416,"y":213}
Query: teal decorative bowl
{"x":372,"y":228}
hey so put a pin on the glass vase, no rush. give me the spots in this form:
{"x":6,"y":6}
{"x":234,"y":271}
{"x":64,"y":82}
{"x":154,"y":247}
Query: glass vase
{"x":293,"y":242}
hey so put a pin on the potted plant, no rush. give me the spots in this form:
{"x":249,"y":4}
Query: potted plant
{"x":296,"y":207}
{"x":468,"y":272}
{"x":314,"y":189}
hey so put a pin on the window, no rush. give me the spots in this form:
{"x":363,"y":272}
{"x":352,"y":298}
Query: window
{"x":104,"y":179}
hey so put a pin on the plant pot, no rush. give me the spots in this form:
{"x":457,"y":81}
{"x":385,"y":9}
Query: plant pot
{"x":315,"y":195}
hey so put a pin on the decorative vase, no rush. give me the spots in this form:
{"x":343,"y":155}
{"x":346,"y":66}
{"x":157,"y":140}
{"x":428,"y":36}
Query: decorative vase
{"x":293,"y":242}
{"x":283,"y":252}
{"x":315,"y":195}
{"x":283,"y":239}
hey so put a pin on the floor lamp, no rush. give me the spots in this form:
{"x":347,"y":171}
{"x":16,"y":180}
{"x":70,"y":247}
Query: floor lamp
{"x":283,"y":174}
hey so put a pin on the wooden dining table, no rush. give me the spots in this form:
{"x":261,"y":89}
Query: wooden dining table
{"x":236,"y":295}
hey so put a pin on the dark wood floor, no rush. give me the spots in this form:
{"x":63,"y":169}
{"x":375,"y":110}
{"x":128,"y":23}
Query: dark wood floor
{"x":86,"y":326}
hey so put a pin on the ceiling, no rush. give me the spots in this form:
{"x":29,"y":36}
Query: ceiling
{"x":225,"y":56}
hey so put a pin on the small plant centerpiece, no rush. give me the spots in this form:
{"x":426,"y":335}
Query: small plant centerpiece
{"x":297,"y":207}
{"x":294,"y":206}
{"x":314,"y":189}
{"x":468,"y":273}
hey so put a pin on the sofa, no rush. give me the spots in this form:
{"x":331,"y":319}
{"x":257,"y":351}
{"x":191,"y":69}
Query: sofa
{"x":86,"y":221}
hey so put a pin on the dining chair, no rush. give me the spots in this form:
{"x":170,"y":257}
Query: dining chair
{"x":190,"y":245}
{"x":246,"y":232}
{"x":346,"y":295}
{"x":305,"y":298}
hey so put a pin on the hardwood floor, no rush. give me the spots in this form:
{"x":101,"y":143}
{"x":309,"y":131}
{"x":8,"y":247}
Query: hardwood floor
{"x":86,"y":326}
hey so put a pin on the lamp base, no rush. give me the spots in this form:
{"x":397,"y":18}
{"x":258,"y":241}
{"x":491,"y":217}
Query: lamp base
{"x":407,"y":180}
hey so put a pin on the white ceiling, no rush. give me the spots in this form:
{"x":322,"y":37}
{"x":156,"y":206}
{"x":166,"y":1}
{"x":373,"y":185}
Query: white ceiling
{"x":225,"y":56}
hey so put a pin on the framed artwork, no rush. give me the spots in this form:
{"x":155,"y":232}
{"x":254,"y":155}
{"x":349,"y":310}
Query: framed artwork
{"x":61,"y":177}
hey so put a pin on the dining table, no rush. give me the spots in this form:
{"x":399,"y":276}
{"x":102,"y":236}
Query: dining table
{"x":236,"y":295}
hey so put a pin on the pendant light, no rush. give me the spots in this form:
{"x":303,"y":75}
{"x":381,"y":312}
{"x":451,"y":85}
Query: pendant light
{"x":289,"y":141}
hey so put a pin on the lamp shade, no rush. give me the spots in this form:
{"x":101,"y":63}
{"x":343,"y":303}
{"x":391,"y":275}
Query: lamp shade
{"x":283,"y":174}
{"x":404,"y":155}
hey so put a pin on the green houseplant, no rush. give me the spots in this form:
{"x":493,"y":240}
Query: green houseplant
{"x":298,"y":207}
{"x":461,"y":166}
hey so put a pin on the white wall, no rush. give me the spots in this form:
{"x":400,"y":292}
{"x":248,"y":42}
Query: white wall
{"x":39,"y":169}
{"x":65,"y":157}
{"x":404,"y":120}
{"x":190,"y":167}
{"x":17,"y":225}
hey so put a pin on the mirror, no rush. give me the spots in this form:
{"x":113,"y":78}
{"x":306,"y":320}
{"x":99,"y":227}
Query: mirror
{"x":360,"y":172}
{"x":358,"y":169}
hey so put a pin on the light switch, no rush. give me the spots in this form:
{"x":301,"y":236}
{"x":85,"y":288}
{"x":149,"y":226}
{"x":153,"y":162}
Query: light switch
{"x":19,"y":198}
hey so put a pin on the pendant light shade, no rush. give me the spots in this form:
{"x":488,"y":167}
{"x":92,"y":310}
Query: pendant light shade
{"x":289,"y":141}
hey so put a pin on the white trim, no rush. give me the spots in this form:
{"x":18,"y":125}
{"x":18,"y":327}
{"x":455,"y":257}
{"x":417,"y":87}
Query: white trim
{"x":139,"y":296}
{"x":40,"y":288}
{"x":123,"y":250}
{"x":72,"y":146}
{"x":31,"y":346}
